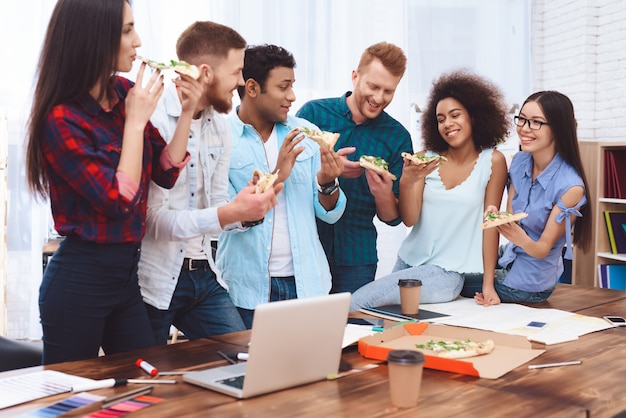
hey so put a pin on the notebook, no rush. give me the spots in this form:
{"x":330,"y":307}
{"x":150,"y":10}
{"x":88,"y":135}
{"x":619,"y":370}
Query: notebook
{"x":292,"y":342}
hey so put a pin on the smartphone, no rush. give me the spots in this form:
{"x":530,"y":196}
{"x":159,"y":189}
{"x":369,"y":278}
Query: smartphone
{"x":536,"y":325}
{"x":616,"y":320}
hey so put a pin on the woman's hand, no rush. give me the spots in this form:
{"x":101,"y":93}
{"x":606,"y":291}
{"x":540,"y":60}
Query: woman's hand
{"x":142,"y":100}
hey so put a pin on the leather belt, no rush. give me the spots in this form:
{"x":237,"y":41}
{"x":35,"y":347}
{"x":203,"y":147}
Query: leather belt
{"x":191,"y":265}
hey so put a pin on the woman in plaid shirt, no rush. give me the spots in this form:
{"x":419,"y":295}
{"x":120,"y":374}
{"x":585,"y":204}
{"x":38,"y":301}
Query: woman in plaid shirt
{"x":93,"y":152}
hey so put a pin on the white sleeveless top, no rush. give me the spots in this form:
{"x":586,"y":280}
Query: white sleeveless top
{"x":447,"y":233}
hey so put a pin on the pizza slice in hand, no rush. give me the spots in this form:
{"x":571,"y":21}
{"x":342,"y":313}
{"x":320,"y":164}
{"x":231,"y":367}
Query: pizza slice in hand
{"x":422,"y":159}
{"x":323,"y":138}
{"x":493,"y":219}
{"x":180,"y":67}
{"x":377,"y":165}
{"x":264,"y":180}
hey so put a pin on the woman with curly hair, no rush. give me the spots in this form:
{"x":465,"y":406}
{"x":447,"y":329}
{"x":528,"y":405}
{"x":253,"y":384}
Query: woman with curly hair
{"x":445,"y":200}
{"x":548,"y":183}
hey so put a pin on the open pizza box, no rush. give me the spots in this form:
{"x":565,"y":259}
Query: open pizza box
{"x":510,"y":351}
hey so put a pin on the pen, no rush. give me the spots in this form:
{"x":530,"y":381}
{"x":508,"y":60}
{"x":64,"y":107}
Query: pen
{"x":147,"y":367}
{"x":224,"y":356}
{"x":110,"y":383}
{"x":565,"y":363}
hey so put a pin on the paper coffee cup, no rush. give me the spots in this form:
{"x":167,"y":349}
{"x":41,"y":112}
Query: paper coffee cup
{"x":410,"y":293}
{"x":405,"y":377}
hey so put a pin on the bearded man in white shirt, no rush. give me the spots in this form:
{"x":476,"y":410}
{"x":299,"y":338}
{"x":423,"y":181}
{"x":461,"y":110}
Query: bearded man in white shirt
{"x":177,"y":273}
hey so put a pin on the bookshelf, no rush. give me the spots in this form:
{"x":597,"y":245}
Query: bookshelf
{"x":585,"y":266}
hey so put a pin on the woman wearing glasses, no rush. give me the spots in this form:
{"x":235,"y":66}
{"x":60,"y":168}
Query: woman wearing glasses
{"x":547,"y":182}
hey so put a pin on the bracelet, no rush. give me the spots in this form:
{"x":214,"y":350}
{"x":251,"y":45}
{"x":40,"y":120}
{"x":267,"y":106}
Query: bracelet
{"x":250,"y":224}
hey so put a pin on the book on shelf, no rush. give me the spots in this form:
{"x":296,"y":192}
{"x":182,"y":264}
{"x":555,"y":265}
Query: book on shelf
{"x":615,"y":173}
{"x":612,"y":276}
{"x":394,"y":313}
{"x":616,"y":230}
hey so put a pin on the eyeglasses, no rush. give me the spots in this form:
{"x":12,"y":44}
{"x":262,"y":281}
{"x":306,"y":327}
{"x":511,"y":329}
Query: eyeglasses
{"x":535,"y":125}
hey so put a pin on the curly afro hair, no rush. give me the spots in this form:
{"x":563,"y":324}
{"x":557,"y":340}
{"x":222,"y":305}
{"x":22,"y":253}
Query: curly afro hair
{"x":484,"y":102}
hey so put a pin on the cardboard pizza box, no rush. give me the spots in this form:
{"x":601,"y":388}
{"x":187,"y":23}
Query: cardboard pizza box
{"x":510,"y":351}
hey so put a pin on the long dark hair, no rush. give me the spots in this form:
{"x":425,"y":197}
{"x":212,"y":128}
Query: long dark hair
{"x":559,"y":112}
{"x":484,"y":103}
{"x":79,"y":52}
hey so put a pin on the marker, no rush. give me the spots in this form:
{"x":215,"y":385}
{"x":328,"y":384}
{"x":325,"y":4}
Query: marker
{"x":565,"y":363}
{"x":110,"y":383}
{"x":242,"y":356}
{"x":147,"y":367}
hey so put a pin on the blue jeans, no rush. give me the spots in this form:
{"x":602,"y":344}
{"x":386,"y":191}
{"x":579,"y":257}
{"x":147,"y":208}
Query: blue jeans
{"x":282,"y":288}
{"x":89,"y":298}
{"x":200,"y":307}
{"x":508,"y":294}
{"x":438,"y":285}
{"x":351,"y":278}
{"x":473,"y":282}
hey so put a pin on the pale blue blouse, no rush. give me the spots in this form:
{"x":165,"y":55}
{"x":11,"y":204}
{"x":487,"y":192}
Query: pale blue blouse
{"x":447,"y":233}
{"x":537,"y":198}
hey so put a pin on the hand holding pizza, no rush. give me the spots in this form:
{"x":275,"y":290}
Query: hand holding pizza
{"x":142,"y":100}
{"x":412,"y":171}
{"x":331,"y":166}
{"x":190,"y":92}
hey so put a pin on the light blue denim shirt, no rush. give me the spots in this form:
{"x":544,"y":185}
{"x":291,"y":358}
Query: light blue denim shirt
{"x":243,"y":256}
{"x":173,"y":215}
{"x":537,"y":198}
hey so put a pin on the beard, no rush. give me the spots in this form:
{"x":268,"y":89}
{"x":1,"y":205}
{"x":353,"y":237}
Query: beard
{"x":220,"y":103}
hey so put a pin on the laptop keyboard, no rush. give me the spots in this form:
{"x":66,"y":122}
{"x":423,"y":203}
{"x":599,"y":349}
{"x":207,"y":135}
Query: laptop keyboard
{"x":236,"y":382}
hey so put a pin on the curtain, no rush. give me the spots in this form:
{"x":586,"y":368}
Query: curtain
{"x":326,"y":37}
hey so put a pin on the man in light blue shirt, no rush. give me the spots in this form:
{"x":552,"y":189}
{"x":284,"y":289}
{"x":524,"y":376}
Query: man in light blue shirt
{"x":177,"y":274}
{"x":281,"y":258}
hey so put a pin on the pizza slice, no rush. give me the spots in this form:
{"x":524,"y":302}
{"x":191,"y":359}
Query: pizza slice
{"x":494,"y":219}
{"x":323,"y":138}
{"x":180,"y":67}
{"x":263,"y":180}
{"x":458,"y":349}
{"x":422,"y":159}
{"x":376,"y":164}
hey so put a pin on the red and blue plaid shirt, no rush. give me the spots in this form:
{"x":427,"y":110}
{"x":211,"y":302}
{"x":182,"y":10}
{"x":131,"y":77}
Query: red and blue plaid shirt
{"x":82,"y":144}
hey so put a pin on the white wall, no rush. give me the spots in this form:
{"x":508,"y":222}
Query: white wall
{"x":579,"y":48}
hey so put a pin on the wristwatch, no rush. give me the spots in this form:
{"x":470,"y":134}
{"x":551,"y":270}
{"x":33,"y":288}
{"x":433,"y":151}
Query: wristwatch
{"x":328,"y":188}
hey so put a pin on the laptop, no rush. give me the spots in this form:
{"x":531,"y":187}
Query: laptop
{"x":292,"y":342}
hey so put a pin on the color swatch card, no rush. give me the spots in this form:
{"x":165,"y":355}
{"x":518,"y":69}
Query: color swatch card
{"x":15,"y":390}
{"x":125,"y":407}
{"x":73,"y":402}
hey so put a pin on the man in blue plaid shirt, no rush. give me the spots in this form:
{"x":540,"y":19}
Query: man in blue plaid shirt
{"x":365,"y":127}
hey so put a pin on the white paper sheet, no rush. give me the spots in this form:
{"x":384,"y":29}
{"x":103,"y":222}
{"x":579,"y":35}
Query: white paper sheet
{"x":511,"y":318}
{"x":21,"y":388}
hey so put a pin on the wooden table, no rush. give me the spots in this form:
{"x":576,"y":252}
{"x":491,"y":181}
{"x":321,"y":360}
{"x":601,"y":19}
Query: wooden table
{"x":593,"y":389}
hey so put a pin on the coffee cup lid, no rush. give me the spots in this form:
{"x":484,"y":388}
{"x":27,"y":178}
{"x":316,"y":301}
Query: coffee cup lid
{"x":405,"y":357}
{"x":409,"y":282}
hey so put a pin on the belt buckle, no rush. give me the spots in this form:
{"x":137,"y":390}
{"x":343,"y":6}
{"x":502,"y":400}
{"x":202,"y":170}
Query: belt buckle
{"x":190,"y":266}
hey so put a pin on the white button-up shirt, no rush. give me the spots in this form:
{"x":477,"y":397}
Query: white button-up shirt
{"x":173,"y":215}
